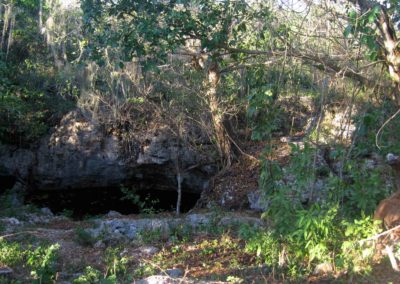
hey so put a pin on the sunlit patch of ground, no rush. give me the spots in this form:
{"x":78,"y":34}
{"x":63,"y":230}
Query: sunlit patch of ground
{"x":211,"y":254}
{"x":208,"y":257}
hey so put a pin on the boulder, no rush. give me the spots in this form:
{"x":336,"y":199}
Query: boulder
{"x":5,"y":271}
{"x":174,"y":272}
{"x":257,"y":201}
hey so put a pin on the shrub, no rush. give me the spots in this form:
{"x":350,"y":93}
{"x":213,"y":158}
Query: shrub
{"x":116,"y":263}
{"x":83,"y":237}
{"x":10,"y":253}
{"x":328,"y":230}
{"x":43,"y":263}
{"x":90,"y":276}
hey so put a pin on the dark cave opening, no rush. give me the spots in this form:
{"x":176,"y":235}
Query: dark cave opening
{"x":82,"y":203}
{"x":6,"y":182}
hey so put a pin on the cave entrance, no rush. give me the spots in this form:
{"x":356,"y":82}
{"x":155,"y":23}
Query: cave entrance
{"x":6,"y":182}
{"x":82,"y":203}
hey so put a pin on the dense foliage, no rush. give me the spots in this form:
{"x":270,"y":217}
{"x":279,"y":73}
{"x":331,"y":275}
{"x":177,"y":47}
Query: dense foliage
{"x":231,"y":67}
{"x":34,"y":95}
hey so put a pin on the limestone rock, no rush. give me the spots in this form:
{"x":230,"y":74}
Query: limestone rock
{"x":257,"y":202}
{"x":113,"y":214}
{"x":15,"y":162}
{"x":5,"y":271}
{"x":99,"y":245}
{"x":323,"y":268}
{"x":148,"y":250}
{"x":80,"y":154}
{"x":229,"y":221}
{"x":130,"y":228}
{"x":46,"y":211}
{"x":11,"y":221}
{"x":159,"y":279}
{"x":174,"y":273}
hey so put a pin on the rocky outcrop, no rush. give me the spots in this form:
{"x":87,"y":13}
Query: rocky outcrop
{"x":79,"y":153}
{"x":15,"y":162}
{"x":128,"y":228}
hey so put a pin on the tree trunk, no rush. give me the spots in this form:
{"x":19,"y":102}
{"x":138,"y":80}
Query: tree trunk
{"x":40,"y":16}
{"x":217,"y":115}
{"x":390,"y":42}
{"x":391,"y":45}
{"x":179,"y":198}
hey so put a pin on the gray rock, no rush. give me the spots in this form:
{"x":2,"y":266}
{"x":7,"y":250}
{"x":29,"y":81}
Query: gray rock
{"x":256,"y":201}
{"x":46,"y":211}
{"x":159,"y":279}
{"x":323,"y":268}
{"x":15,"y":162}
{"x":149,"y":250}
{"x":392,"y":158}
{"x":174,"y":273}
{"x":11,"y":221}
{"x":196,"y":220}
{"x":130,"y":228}
{"x":113,"y":214}
{"x":10,"y":224}
{"x":79,"y":154}
{"x":38,"y":218}
{"x":131,"y":232}
{"x":227,"y":198}
{"x":228,"y":221}
{"x":370,"y":164}
{"x":5,"y":271}
{"x":16,"y":197}
{"x":99,"y":245}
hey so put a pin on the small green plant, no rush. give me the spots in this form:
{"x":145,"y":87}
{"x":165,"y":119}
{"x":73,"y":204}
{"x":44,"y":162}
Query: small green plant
{"x":94,"y":276}
{"x":83,"y":237}
{"x":7,"y":206}
{"x":67,"y":213}
{"x":181,"y":233}
{"x":116,"y":263}
{"x":234,"y":279}
{"x":144,"y":270}
{"x":42,"y":262}
{"x":357,"y":255}
{"x":265,"y":245}
{"x":150,"y":236}
{"x":146,"y":206}
{"x":10,"y":253}
{"x":366,"y":189}
{"x":90,"y":276}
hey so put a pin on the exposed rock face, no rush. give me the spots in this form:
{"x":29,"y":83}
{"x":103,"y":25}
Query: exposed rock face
{"x":80,"y":154}
{"x":15,"y":162}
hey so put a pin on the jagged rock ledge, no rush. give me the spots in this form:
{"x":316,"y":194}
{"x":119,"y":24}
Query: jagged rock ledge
{"x":127,"y":228}
{"x":80,"y":154}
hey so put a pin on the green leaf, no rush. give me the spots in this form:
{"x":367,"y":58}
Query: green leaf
{"x":348,"y":30}
{"x":353,"y":15}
